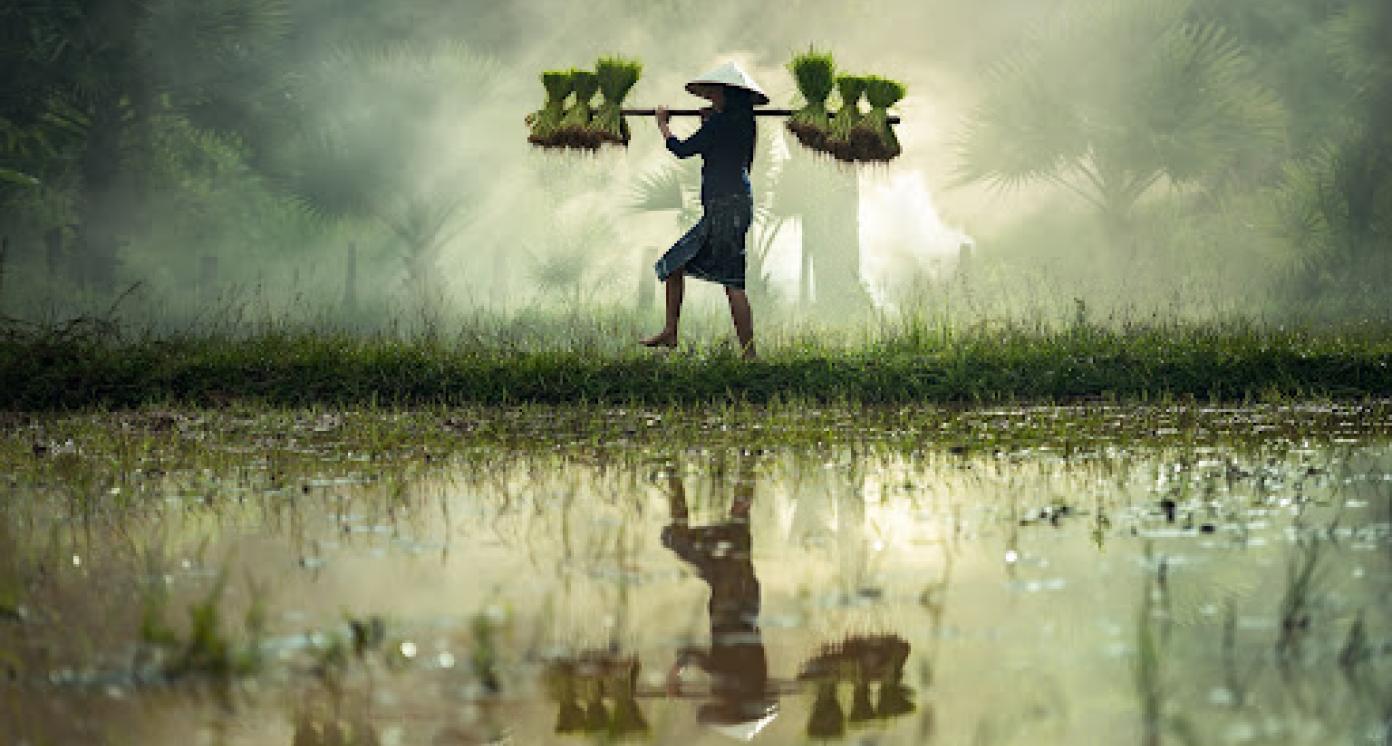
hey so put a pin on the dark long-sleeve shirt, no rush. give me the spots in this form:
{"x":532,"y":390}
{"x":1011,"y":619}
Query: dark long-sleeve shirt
{"x":726,"y":146}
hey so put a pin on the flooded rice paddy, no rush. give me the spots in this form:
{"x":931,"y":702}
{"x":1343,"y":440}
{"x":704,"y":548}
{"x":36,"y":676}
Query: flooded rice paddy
{"x":1139,"y":575}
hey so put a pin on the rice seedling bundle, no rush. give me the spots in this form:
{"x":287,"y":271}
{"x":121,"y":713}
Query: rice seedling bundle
{"x":827,"y":720}
{"x":873,"y":138}
{"x":850,"y":135}
{"x":576,"y":130}
{"x":838,"y":143}
{"x":558,"y":85}
{"x":616,"y":76}
{"x":815,"y":75}
{"x":895,"y":698}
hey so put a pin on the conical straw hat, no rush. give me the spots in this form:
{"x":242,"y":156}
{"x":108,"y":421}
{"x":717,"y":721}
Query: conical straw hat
{"x":745,"y":731}
{"x":732,"y":75}
{"x":740,"y":721}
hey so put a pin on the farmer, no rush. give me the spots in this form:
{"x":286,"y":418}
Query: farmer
{"x":713,"y":250}
{"x":742,"y":702}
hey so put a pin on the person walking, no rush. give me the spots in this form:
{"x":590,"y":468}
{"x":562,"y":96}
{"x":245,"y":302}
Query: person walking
{"x":714,"y":249}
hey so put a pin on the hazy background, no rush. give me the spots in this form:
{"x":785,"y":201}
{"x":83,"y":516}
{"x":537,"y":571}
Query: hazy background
{"x":365,"y":162}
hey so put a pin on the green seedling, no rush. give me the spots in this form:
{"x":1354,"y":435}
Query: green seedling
{"x":815,"y":74}
{"x":558,"y":84}
{"x":616,"y":77}
{"x":872,"y":138}
{"x":576,"y":129}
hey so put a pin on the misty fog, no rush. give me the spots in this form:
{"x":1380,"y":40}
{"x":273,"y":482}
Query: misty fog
{"x":361,"y":162}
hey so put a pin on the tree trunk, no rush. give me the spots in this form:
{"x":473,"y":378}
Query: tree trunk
{"x":99,"y":210}
{"x":831,"y":240}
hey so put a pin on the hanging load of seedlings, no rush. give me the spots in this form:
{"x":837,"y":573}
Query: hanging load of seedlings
{"x":577,"y":129}
{"x":872,"y":139}
{"x":850,"y":88}
{"x":558,"y":85}
{"x":850,"y":135}
{"x":616,"y":77}
{"x":815,"y":75}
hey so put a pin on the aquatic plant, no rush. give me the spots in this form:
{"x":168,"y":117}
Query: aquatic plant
{"x":815,"y":74}
{"x":1303,"y":577}
{"x":207,"y":650}
{"x":483,"y":653}
{"x":616,"y":77}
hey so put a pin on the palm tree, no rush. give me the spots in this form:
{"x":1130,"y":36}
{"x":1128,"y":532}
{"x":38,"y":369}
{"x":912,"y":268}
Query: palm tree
{"x":1115,"y":97}
{"x":378,"y":148}
{"x":825,"y":196}
{"x":564,"y":266}
{"x":95,"y":74}
{"x":1336,"y":206}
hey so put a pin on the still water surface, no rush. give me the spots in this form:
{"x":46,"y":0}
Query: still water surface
{"x":1216,"y":579}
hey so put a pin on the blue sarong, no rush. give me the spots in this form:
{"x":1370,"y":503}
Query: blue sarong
{"x":713,"y":250}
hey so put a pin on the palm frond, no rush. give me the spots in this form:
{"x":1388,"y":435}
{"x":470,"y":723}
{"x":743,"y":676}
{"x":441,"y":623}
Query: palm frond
{"x":664,"y":188}
{"x":1111,"y":96}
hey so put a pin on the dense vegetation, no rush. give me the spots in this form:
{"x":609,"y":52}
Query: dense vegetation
{"x":82,"y":366}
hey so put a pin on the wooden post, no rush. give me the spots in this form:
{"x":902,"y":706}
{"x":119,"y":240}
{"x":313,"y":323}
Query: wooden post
{"x":350,"y":280}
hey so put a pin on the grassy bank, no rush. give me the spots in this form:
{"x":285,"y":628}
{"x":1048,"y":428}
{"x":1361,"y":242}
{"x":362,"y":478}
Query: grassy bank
{"x":93,"y":366}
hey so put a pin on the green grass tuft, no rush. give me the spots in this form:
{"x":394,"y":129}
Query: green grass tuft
{"x":986,"y":363}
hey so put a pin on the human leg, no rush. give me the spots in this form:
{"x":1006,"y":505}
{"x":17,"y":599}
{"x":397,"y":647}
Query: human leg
{"x":743,"y":316}
{"x":675,"y":287}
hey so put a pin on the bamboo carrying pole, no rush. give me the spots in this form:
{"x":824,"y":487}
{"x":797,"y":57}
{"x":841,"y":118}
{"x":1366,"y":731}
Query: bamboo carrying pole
{"x":893,"y":118}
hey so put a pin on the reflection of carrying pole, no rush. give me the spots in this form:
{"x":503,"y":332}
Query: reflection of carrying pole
{"x":761,"y":112}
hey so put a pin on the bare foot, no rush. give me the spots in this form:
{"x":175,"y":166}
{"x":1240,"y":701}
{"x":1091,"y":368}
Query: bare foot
{"x":662,"y":339}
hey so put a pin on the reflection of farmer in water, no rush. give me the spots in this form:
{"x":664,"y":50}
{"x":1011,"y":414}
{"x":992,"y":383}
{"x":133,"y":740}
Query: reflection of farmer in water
{"x":742,"y":700}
